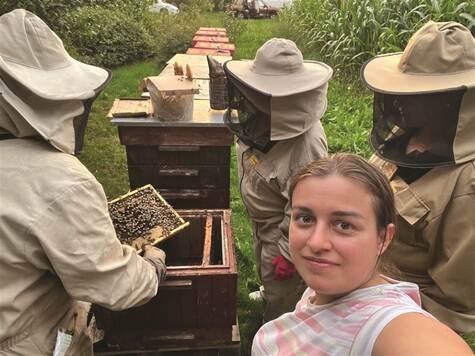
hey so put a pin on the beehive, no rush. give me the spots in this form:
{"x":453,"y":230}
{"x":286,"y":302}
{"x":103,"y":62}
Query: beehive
{"x":196,"y":305}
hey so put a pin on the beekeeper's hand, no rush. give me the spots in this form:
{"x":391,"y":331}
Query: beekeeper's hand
{"x":156,"y":257}
{"x":283,"y":269}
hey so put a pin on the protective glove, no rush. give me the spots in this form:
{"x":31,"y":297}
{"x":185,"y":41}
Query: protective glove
{"x":283,"y":269}
{"x":156,"y":257}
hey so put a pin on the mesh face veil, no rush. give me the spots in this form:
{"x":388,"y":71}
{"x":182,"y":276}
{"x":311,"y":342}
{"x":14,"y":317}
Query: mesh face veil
{"x":416,"y":130}
{"x":247,"y":118}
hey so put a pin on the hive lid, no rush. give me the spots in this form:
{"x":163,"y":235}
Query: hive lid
{"x":172,"y":85}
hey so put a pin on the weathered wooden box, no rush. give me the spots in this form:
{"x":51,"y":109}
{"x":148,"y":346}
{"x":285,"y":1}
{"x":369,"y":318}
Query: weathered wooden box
{"x":196,"y":305}
{"x":187,"y":161}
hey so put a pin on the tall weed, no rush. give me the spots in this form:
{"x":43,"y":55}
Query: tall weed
{"x":345,"y":33}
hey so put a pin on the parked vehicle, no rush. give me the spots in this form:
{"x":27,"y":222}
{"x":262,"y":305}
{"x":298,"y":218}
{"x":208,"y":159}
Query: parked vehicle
{"x":279,"y":3}
{"x":161,"y":6}
{"x":252,"y":9}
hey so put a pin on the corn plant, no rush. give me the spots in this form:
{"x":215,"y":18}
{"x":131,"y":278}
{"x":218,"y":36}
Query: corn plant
{"x":345,"y":33}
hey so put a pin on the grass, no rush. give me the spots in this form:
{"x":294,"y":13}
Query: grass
{"x":347,"y":123}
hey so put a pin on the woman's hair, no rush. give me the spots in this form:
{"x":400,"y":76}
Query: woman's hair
{"x":357,"y":168}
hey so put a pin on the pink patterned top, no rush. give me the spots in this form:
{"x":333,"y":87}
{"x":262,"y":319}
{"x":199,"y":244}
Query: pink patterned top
{"x":347,"y":326}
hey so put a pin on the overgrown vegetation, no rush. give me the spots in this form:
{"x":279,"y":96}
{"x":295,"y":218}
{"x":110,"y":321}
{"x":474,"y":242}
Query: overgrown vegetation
{"x":174,"y":33}
{"x":110,"y":33}
{"x":345,"y":33}
{"x":109,"y":36}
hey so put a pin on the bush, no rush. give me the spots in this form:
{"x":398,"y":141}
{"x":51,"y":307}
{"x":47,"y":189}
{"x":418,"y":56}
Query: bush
{"x":54,"y":12}
{"x":174,"y":33}
{"x":345,"y":33}
{"x":234,"y":27}
{"x":107,"y":36}
{"x":199,"y":5}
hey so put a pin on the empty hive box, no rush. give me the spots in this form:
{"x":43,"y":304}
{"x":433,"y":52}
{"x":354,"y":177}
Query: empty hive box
{"x":144,"y":217}
{"x":196,"y":304}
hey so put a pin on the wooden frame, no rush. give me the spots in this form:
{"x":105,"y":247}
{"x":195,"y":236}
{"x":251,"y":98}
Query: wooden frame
{"x":156,"y":236}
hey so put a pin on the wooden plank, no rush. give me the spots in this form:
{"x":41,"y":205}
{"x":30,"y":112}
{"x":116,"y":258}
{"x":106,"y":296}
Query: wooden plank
{"x":218,"y":39}
{"x":210,"y":33}
{"x":216,"y":46}
{"x":203,"y":302}
{"x":175,"y":136}
{"x":219,"y":29}
{"x":221,"y":307}
{"x":171,"y":85}
{"x":197,"y":198}
{"x":130,"y":108}
{"x":207,"y":51}
{"x":207,"y":238}
{"x":178,"y":155}
{"x":180,"y":177}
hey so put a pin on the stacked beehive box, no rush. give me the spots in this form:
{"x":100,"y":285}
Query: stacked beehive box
{"x":188,"y":162}
{"x":211,"y":41}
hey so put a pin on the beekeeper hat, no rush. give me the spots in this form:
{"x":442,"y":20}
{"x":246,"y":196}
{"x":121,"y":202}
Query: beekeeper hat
{"x":279,"y":70}
{"x":34,"y":56}
{"x":439,"y":57}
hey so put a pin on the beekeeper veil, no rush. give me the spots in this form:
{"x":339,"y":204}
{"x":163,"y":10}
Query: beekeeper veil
{"x":277,"y":96}
{"x":424,"y":98}
{"x":43,"y":91}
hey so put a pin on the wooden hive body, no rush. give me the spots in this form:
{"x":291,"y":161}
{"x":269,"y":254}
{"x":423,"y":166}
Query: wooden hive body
{"x":196,"y":305}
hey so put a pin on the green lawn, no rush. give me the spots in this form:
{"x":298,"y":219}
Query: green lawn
{"x":347,"y":123}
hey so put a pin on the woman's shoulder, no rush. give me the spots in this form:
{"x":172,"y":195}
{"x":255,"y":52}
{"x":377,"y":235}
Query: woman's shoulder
{"x":418,"y":334}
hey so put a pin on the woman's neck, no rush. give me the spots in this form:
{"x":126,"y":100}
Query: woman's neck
{"x":322,"y":299}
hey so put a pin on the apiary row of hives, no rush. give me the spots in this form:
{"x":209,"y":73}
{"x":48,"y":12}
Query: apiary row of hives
{"x":184,"y":165}
{"x":211,"y":41}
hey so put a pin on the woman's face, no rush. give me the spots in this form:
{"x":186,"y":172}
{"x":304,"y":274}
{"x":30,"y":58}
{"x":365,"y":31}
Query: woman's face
{"x":334,"y":241}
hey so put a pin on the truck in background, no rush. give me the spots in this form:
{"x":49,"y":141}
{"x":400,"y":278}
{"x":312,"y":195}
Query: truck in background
{"x":252,"y":9}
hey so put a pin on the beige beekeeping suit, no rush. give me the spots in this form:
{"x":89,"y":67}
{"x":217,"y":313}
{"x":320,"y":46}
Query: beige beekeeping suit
{"x":435,"y":240}
{"x":58,"y":247}
{"x":434,"y":244}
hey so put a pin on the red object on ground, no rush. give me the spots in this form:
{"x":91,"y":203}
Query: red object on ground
{"x":218,"y":39}
{"x":208,"y":51}
{"x":210,"y":33}
{"x":217,"y":46}
{"x":219,"y":29}
{"x":283,"y":269}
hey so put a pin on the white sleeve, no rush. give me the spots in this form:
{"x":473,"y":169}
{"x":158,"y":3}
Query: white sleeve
{"x":365,"y":339}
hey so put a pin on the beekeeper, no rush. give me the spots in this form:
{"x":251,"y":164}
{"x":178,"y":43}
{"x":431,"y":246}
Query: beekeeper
{"x":57,"y":242}
{"x":275,"y":105}
{"x":424,"y":135}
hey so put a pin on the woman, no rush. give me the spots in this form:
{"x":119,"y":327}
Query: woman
{"x":342,"y":222}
